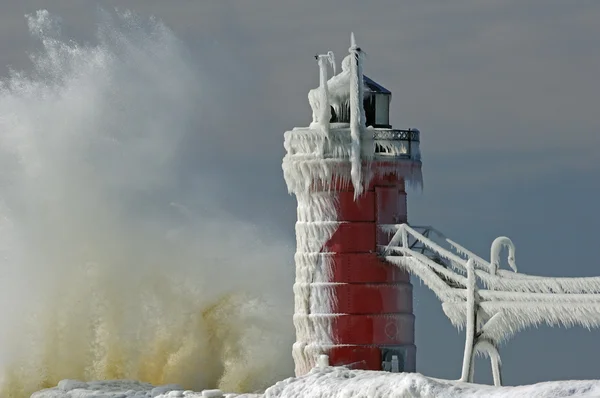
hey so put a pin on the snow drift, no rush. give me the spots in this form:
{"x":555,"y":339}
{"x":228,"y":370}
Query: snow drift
{"x":116,"y":261}
{"x":338,"y":383}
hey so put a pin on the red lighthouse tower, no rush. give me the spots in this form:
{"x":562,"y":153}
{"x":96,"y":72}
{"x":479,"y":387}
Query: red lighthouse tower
{"x":349,"y":170}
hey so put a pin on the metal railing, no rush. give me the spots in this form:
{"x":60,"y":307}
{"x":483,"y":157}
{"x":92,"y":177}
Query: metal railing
{"x":397,"y":143}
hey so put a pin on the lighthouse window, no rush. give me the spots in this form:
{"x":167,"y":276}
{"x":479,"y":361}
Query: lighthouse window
{"x":369,"y":105}
{"x":382,"y":108}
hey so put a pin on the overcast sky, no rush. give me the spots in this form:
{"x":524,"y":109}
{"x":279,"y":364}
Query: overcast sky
{"x":506,"y":95}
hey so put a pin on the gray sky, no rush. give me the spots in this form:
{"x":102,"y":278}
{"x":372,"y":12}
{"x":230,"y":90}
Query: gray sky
{"x":506,"y":95}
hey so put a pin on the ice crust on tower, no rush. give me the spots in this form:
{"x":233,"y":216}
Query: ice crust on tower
{"x":320,"y":161}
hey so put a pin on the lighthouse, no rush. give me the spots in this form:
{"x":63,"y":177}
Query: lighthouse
{"x":349,"y":170}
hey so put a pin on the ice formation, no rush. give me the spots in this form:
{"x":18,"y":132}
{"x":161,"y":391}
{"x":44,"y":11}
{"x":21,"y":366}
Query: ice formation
{"x":317,"y":221}
{"x":347,"y":94}
{"x":505,"y":303}
{"x":497,"y":245}
{"x":338,"y":92}
{"x":320,"y":161}
{"x":319,"y":98}
{"x":304,"y":167}
{"x":313,"y":169}
{"x":357,"y":118}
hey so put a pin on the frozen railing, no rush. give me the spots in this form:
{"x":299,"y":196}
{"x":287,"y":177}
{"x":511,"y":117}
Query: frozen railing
{"x":491,"y":303}
{"x":396,"y":143}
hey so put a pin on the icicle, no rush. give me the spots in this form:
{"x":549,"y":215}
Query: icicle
{"x":357,"y":116}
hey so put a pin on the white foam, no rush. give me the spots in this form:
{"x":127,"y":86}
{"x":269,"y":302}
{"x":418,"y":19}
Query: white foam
{"x":116,"y":260}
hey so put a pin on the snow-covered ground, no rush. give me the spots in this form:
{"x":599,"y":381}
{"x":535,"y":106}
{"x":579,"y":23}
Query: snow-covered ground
{"x":334,"y":383}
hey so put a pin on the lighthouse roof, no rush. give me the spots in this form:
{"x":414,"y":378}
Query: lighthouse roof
{"x":375,"y":87}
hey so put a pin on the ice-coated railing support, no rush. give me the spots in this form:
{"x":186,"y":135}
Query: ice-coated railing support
{"x":492,"y":351}
{"x":503,"y":303}
{"x":467,"y":368}
{"x":497,"y":245}
{"x":475,"y":338}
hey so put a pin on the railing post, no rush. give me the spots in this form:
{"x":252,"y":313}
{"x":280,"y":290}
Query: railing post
{"x":496,"y":371}
{"x":467,"y":369}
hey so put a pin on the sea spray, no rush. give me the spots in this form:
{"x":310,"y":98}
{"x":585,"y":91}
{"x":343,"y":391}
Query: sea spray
{"x":111,"y":264}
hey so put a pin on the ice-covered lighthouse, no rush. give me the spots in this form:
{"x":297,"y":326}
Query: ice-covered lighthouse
{"x":349,"y":170}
